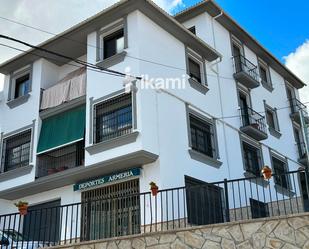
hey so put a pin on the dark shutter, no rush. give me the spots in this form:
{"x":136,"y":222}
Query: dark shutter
{"x":204,"y":202}
{"x":42,"y":223}
{"x":258,"y":209}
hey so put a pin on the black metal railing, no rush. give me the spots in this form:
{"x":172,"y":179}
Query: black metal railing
{"x":301,"y":149}
{"x":253,"y":118}
{"x":241,"y":64}
{"x":61,"y":159}
{"x":297,"y":106}
{"x":218,"y":202}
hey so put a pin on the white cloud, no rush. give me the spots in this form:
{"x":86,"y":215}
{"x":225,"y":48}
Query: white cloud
{"x":298,"y":62}
{"x":53,"y":16}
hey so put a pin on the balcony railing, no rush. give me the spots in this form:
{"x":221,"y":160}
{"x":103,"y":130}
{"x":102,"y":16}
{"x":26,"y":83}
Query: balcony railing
{"x":253,"y":123}
{"x":61,"y":159}
{"x":245,"y":71}
{"x":218,"y":202}
{"x":298,"y":109}
{"x":302,"y":153}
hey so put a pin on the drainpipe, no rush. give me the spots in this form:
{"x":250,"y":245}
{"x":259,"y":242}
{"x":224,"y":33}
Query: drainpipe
{"x":217,"y":72}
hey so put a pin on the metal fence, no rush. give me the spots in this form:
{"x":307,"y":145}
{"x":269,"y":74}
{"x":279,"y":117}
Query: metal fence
{"x":218,"y":202}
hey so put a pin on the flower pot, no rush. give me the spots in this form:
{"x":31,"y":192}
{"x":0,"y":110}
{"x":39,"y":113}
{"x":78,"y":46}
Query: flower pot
{"x":23,"y":210}
{"x":154,"y":190}
{"x":266,"y":171}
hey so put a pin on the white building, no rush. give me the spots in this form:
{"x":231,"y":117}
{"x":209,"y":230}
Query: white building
{"x":234,"y":108}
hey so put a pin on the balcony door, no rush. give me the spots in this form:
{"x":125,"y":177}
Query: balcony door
{"x":244,"y":108}
{"x":111,"y":211}
{"x":237,"y":53}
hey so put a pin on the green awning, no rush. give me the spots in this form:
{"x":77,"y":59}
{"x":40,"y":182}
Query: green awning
{"x":62,"y":129}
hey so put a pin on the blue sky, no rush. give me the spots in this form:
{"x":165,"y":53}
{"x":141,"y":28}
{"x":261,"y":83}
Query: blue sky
{"x":281,"y":26}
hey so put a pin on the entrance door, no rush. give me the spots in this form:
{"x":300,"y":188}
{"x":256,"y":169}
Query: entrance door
{"x":42,"y":223}
{"x":111,"y":211}
{"x":243,"y":102}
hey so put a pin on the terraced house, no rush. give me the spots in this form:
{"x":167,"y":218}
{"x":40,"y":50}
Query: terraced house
{"x":80,"y":144}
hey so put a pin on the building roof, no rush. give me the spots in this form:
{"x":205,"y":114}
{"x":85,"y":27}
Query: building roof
{"x":234,"y":28}
{"x":73,"y":42}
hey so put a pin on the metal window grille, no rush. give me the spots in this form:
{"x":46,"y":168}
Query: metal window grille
{"x":113,"y":118}
{"x":16,"y":151}
{"x":111,"y":211}
{"x":251,"y":159}
{"x":202,"y":136}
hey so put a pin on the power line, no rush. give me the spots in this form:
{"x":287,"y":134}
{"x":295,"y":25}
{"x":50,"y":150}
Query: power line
{"x":54,"y":59}
{"x":98,"y":70}
{"x":81,"y":62}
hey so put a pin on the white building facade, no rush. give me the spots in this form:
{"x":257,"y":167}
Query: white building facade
{"x":70,"y":133}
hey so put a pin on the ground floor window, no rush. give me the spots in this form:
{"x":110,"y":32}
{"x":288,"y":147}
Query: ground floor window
{"x":111,"y":211}
{"x":204,"y":202}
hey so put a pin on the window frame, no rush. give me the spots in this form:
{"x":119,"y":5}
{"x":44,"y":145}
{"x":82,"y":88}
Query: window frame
{"x":199,"y":86}
{"x":285,"y":165}
{"x":94,"y":102}
{"x":275,"y":131}
{"x":106,"y":31}
{"x":3,"y":139}
{"x":268,"y":83}
{"x":195,"y":154}
{"x":13,"y":101}
{"x":255,"y":145}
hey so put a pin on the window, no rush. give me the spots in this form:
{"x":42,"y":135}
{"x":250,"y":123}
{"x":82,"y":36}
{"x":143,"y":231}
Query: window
{"x":280,"y":169}
{"x":252,"y":158}
{"x":20,"y":84}
{"x":272,"y":120}
{"x":113,"y":43}
{"x":265,"y":74}
{"x":202,"y":136}
{"x":204,"y":202}
{"x":16,"y":151}
{"x":258,"y":209}
{"x":113,"y":118}
{"x":196,"y":70}
{"x":192,"y":30}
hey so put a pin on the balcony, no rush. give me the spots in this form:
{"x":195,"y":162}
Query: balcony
{"x":62,"y":159}
{"x":246,"y":72}
{"x":298,"y":109}
{"x":302,"y":153}
{"x":253,"y":124}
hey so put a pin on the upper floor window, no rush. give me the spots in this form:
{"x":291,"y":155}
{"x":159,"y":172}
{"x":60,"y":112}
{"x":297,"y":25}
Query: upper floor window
{"x":272,"y":121}
{"x":202,"y":136}
{"x":252,"y":158}
{"x":265,"y":75}
{"x":20,"y":83}
{"x":192,"y":30}
{"x":196,"y":70}
{"x":16,"y":151}
{"x":113,"y":43}
{"x":113,"y":118}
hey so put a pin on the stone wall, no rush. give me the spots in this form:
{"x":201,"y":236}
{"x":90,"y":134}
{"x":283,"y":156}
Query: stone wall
{"x":286,"y":232}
